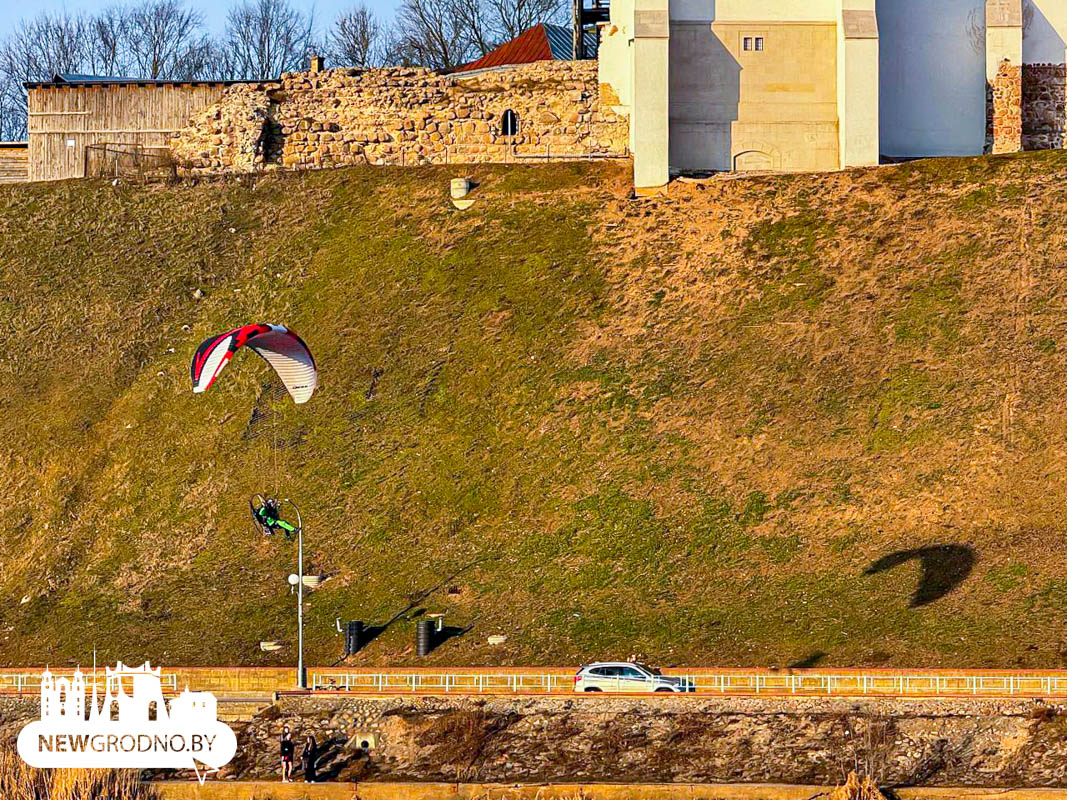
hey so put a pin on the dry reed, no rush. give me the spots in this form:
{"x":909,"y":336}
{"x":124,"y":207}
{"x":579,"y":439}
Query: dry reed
{"x":19,"y":781}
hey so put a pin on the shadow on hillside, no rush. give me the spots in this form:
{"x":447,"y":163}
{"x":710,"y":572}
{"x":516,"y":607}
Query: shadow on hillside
{"x":943,"y":568}
{"x":809,"y":661}
{"x":414,"y":610}
{"x":446,"y":633}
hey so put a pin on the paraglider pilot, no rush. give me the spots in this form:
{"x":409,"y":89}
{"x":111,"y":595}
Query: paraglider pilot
{"x":267,"y":516}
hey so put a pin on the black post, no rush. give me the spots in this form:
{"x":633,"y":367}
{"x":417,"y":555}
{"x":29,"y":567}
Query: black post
{"x":577,"y":34}
{"x":354,"y":637}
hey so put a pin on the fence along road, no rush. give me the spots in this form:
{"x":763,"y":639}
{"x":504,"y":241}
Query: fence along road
{"x":238,"y":681}
{"x":712,"y":682}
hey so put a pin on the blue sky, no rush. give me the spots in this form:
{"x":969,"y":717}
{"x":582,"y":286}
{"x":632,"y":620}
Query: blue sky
{"x":11,"y":11}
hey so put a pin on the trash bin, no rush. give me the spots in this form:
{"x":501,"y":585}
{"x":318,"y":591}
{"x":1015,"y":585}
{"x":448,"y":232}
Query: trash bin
{"x":424,"y":630}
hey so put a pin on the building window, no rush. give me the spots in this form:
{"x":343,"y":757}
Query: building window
{"x":759,"y":44}
{"x":752,"y":44}
{"x":509,"y":123}
{"x":747,"y":46}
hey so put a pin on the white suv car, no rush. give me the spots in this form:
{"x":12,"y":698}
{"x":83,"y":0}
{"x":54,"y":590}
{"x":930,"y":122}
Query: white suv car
{"x":625,"y":676}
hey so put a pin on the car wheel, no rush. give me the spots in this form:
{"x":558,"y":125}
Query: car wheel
{"x":664,"y":689}
{"x":593,"y":689}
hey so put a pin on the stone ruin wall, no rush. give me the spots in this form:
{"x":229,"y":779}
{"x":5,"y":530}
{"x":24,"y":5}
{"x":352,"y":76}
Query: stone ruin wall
{"x":406,"y":116}
{"x":1026,"y":108}
{"x":1004,"y":110}
{"x":1044,"y":114}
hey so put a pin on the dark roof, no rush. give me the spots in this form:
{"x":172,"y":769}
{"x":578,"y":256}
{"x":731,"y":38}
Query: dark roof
{"x":542,"y":42}
{"x":71,"y":79}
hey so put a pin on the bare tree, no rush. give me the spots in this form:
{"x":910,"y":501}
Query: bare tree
{"x":476,"y":17}
{"x":108,"y":45}
{"x":265,"y":38}
{"x":355,"y":38}
{"x":512,"y":17}
{"x":47,"y":44}
{"x":432,"y":33}
{"x":154,"y":39}
{"x":12,"y":121}
{"x":37,"y":49}
{"x":166,"y":40}
{"x":490,"y":23}
{"x":445,"y":34}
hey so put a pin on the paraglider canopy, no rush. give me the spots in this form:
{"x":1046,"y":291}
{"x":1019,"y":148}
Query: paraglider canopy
{"x":277,"y":345}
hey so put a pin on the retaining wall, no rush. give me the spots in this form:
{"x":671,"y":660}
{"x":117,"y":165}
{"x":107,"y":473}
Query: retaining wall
{"x":669,"y":740}
{"x":240,"y":790}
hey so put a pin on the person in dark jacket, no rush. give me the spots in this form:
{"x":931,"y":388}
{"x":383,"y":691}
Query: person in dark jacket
{"x":287,"y":749}
{"x":309,"y":755}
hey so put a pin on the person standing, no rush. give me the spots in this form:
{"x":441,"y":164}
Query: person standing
{"x":287,"y":751}
{"x":309,"y":755}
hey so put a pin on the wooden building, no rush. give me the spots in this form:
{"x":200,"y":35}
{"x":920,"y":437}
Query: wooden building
{"x":13,"y":167}
{"x":72,"y":114}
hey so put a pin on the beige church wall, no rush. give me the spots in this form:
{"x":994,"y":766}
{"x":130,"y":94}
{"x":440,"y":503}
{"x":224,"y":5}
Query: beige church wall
{"x":1046,"y":32}
{"x":1001,"y":44}
{"x":775,"y":10}
{"x":932,"y":77}
{"x":774,"y":109}
{"x":615,"y":57}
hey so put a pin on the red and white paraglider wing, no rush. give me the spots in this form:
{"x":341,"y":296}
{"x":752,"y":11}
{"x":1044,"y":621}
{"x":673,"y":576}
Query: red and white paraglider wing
{"x":276,"y":344}
{"x":291,"y":359}
{"x":210,"y":358}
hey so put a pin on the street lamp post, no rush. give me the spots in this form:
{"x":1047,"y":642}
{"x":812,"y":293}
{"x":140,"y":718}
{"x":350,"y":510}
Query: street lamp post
{"x":301,"y":678}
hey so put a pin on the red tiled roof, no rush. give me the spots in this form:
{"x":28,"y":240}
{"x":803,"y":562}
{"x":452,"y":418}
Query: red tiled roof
{"x":529,"y":46}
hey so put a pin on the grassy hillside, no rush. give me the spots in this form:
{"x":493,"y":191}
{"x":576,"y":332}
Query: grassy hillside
{"x":725,"y":426}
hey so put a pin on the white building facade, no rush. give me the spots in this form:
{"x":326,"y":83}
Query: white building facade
{"x":828,"y":84}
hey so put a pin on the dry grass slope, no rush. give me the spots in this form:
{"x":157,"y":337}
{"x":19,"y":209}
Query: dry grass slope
{"x":796,"y":419}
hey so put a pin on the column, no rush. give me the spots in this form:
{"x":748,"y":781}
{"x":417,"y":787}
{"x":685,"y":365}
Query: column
{"x":650,"y":100}
{"x":1004,"y":75}
{"x":857,"y":83}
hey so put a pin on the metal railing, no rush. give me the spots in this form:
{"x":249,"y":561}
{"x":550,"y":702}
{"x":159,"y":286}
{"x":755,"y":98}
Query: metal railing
{"x":710,"y":683}
{"x":511,"y":153}
{"x":129,"y":161}
{"x":447,"y":682}
{"x":725,"y":682}
{"x":30,"y":682}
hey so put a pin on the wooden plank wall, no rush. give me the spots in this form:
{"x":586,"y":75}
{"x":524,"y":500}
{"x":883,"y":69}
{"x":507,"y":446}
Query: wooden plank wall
{"x":63,"y":120}
{"x":13,"y":163}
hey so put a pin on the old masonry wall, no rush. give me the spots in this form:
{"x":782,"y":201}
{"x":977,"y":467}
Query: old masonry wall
{"x":405,"y":116}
